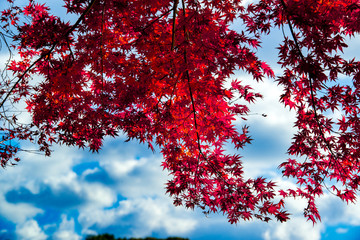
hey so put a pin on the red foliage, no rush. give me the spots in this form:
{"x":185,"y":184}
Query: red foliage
{"x":157,"y":70}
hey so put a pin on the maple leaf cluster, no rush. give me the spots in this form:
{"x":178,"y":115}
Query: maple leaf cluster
{"x":159,"y":70}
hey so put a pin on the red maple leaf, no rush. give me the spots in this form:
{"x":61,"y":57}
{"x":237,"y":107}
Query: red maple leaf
{"x":159,"y":70}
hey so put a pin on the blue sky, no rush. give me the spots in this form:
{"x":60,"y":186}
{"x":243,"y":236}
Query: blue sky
{"x":121,"y":190}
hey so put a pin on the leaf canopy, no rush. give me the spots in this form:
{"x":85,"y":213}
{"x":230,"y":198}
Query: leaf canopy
{"x":160,"y":70}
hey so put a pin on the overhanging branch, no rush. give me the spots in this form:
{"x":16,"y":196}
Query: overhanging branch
{"x":44,"y":55}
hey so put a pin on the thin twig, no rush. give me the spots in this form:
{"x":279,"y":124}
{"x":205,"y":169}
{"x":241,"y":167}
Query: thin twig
{"x":176,"y":2}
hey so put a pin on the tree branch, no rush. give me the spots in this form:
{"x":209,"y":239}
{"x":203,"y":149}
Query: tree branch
{"x":48,"y":52}
{"x":312,"y":94}
{"x":176,"y":2}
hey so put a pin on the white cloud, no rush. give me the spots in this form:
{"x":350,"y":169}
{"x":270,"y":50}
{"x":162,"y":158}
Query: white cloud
{"x":136,"y":176}
{"x":98,"y":195}
{"x":141,"y":181}
{"x":89,"y":172}
{"x":92,"y":218}
{"x":57,"y":181}
{"x":259,"y":167}
{"x":351,"y":214}
{"x":295,"y":229}
{"x":33,"y":172}
{"x":334,"y":211}
{"x":342,"y":230}
{"x":30,"y":230}
{"x":159,"y":214}
{"x":66,"y":230}
{"x":34,"y":169}
{"x":120,"y":167}
{"x":19,"y":212}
